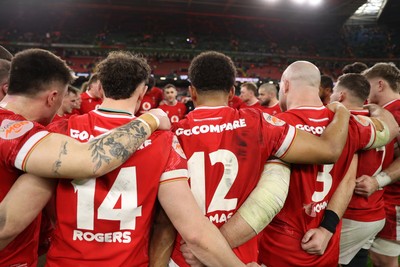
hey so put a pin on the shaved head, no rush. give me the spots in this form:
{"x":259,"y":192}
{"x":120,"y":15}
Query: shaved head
{"x":303,"y":72}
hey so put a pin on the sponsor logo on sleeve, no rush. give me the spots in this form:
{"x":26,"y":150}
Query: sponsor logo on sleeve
{"x":10,"y":129}
{"x":177,"y":147}
{"x":364,"y":121}
{"x":273,"y":120}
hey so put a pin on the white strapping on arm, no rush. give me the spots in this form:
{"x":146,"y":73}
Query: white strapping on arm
{"x":268,"y":197}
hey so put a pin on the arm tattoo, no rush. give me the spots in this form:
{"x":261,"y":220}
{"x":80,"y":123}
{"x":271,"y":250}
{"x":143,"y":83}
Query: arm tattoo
{"x":57,"y":163}
{"x":119,"y":143}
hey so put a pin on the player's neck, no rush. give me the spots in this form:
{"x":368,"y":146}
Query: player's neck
{"x":214,"y":101}
{"x":29,"y":108}
{"x":60,"y":112}
{"x":123,"y":105}
{"x":251,"y":101}
{"x":172,"y":103}
{"x":272,"y":102}
{"x":304,"y":100}
{"x":386,"y":98}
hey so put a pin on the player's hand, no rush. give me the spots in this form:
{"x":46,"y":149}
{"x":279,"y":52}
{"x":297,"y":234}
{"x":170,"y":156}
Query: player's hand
{"x":316,"y":240}
{"x":165,"y":124}
{"x":384,"y":115}
{"x":189,"y":257}
{"x":253,"y":264}
{"x":374,"y":110}
{"x":334,"y":106}
{"x":366,"y":185}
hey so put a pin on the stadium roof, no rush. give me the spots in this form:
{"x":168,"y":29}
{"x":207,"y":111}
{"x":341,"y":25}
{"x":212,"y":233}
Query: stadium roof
{"x":329,"y":11}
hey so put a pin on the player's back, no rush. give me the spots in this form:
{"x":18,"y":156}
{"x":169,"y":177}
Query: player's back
{"x":106,"y":221}
{"x":17,"y":136}
{"x":370,"y":208}
{"x":310,"y":189}
{"x":226,"y":150}
{"x":391,"y":191}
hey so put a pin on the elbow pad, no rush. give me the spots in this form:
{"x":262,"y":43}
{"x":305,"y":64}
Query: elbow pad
{"x":268,"y":197}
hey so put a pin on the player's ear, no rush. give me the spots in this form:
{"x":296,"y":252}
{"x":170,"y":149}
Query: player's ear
{"x":231,"y":93}
{"x":52,"y":97}
{"x":142,"y":92}
{"x":193,"y":92}
{"x":342,"y":96}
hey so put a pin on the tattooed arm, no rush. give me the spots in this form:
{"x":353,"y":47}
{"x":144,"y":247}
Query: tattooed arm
{"x":60,"y":156}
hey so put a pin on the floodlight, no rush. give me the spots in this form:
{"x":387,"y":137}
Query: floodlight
{"x":299,"y":2}
{"x":315,"y":2}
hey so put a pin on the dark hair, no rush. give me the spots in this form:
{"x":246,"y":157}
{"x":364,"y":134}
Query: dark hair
{"x":356,"y":67}
{"x":355,"y":83}
{"x":151,"y":82}
{"x":326,"y":82}
{"x":5,"y":54}
{"x":212,"y":71}
{"x":5,"y":66}
{"x":32,"y":69}
{"x":387,"y":71}
{"x":169,"y":85}
{"x":121,"y":73}
{"x":93,"y":78}
{"x":251,"y":87}
{"x":74,"y":90}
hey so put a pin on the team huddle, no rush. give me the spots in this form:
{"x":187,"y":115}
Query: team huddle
{"x":294,"y":183}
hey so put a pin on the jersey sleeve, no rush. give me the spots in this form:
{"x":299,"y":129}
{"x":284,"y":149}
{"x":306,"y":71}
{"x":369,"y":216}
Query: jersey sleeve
{"x":17,"y":140}
{"x":366,"y":131}
{"x":279,"y":134}
{"x":176,"y":167}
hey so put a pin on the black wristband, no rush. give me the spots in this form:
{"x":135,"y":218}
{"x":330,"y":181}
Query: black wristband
{"x":330,"y":221}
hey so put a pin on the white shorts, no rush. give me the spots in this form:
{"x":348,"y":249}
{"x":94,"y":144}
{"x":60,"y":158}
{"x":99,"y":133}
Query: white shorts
{"x":356,"y":235}
{"x":386,"y":247}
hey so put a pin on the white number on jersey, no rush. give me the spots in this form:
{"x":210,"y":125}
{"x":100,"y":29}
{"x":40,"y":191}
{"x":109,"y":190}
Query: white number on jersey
{"x":326,"y":178}
{"x":124,"y":187}
{"x":196,"y":166}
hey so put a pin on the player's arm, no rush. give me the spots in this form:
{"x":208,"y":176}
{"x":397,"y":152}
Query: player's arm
{"x":386,"y":127}
{"x":367,"y":185}
{"x":60,"y":156}
{"x":261,"y":206}
{"x":309,"y":149}
{"x":22,"y":204}
{"x":316,"y":240}
{"x":202,"y":237}
{"x":162,"y":239}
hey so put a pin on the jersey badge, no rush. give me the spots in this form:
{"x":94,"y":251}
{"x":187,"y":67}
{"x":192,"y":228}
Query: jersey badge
{"x":10,"y":129}
{"x":177,"y":147}
{"x":273,"y":120}
{"x":364,"y":121}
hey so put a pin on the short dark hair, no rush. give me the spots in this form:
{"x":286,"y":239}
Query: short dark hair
{"x":34,"y":68}
{"x":5,"y":66}
{"x":356,"y":67}
{"x":251,"y":87}
{"x":5,"y":54}
{"x":387,"y":71}
{"x":169,"y":85}
{"x":121,"y":73}
{"x":212,"y":71}
{"x":74,"y":90}
{"x":93,"y":78}
{"x":326,"y":81}
{"x":355,"y":83}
